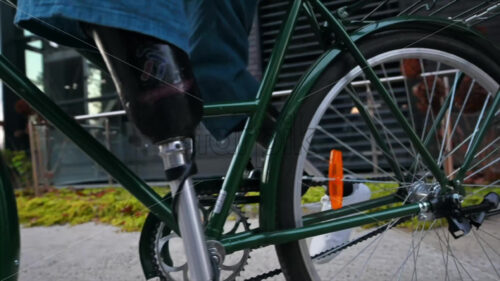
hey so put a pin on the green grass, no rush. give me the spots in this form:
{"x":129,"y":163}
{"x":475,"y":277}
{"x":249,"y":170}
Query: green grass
{"x":113,"y":206}
{"x":380,"y":190}
{"x":314,"y":194}
{"x":117,"y":207}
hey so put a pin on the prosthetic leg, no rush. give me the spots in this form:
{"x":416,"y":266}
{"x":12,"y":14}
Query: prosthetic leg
{"x":159,"y":93}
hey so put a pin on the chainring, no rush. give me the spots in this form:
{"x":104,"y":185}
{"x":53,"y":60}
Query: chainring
{"x":167,"y":252}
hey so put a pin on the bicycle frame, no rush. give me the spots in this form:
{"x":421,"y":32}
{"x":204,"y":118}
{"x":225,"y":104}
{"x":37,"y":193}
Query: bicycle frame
{"x":267,"y":233}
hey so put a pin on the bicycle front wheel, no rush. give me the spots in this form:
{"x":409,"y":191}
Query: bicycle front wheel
{"x":423,"y":74}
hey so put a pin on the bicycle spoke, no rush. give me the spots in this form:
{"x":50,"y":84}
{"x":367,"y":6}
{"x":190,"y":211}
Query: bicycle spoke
{"x":448,"y":116}
{"x":430,"y":96}
{"x":484,"y":158}
{"x":367,"y":116}
{"x":415,"y":255}
{"x":478,"y":162}
{"x":371,"y":101}
{"x":408,"y":100}
{"x":320,"y":157}
{"x":445,"y":259}
{"x":360,"y":178}
{"x":365,"y":248}
{"x":480,"y":185}
{"x":488,"y":146}
{"x":368,"y":259}
{"x":454,"y":256}
{"x":319,"y":178}
{"x":476,"y":129}
{"x":388,"y":131}
{"x":440,"y":104}
{"x":448,"y":247}
{"x":483,"y":168}
{"x":483,"y":188}
{"x":356,"y":256}
{"x":391,"y":90}
{"x":355,"y":152}
{"x":326,"y":161}
{"x":492,"y":248}
{"x":356,"y":180}
{"x":412,"y":249}
{"x":365,"y":135}
{"x":486,"y":254}
{"x":457,"y":148}
{"x":491,"y":235}
{"x":462,"y":108}
{"x":471,"y":150}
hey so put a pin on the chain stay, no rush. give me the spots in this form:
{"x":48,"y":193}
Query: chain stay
{"x":335,"y":249}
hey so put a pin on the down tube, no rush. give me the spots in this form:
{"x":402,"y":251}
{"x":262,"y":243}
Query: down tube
{"x":23,"y":87}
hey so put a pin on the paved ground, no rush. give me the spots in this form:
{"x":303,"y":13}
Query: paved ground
{"x":96,"y":252}
{"x":101,"y":252}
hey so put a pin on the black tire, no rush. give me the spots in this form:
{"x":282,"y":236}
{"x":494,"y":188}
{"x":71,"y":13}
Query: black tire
{"x":290,"y":255}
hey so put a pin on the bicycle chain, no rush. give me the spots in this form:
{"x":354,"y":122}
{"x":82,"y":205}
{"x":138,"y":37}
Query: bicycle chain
{"x":333,"y":250}
{"x":323,"y":254}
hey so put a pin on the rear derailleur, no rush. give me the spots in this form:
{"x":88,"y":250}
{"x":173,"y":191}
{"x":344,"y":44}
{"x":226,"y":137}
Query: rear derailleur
{"x":461,"y":219}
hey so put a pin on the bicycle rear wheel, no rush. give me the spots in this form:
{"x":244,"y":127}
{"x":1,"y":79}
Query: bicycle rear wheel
{"x":420,"y":72}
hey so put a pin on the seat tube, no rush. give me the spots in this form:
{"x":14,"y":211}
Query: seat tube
{"x":176,"y":155}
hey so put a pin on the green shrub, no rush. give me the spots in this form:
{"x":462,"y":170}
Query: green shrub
{"x":118,"y":207}
{"x":113,"y":206}
{"x":314,"y":194}
{"x":19,"y":162}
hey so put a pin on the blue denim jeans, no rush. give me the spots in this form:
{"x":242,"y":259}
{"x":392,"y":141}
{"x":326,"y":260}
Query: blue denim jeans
{"x":213,"y":32}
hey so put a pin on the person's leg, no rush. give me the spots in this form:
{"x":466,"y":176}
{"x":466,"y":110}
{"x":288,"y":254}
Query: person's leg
{"x":159,"y":93}
{"x":59,"y":20}
{"x":218,"y":48}
{"x":154,"y":81}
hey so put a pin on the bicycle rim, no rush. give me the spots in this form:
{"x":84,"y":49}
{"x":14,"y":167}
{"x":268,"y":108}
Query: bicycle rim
{"x":419,"y":79}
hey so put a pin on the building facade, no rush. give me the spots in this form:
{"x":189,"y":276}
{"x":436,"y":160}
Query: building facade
{"x":86,"y":92}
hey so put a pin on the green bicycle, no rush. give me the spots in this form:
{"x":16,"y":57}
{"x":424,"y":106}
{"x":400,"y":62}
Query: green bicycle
{"x":438,"y":78}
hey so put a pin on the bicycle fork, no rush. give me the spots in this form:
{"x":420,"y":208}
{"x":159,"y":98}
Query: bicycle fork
{"x":176,"y":155}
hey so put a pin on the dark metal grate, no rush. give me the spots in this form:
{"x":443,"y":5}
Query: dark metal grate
{"x":304,"y":48}
{"x":303,"y":51}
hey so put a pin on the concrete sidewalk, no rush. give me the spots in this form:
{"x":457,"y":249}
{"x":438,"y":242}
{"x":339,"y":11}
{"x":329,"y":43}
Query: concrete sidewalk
{"x":101,"y":252}
{"x":98,"y":252}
